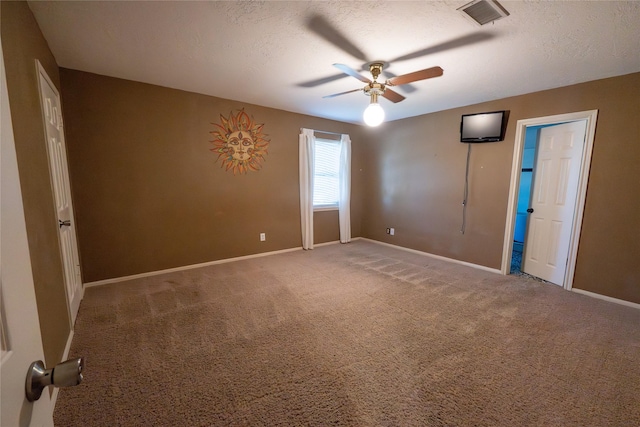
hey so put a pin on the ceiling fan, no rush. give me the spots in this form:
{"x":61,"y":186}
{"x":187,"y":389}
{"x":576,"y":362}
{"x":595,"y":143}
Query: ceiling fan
{"x":374,"y":114}
{"x":375,"y":88}
{"x":319,"y":25}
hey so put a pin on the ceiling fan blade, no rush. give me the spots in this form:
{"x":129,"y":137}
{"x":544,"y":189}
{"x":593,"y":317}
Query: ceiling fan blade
{"x":415,"y":76}
{"x":392,"y":96}
{"x":353,"y":73}
{"x":342,"y":93}
{"x":451,"y":44}
{"x":321,"y":81}
{"x":405,"y":88}
{"x":319,"y":25}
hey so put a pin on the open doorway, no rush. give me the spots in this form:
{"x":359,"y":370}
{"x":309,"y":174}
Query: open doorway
{"x":528,"y":162}
{"x":522,"y":182}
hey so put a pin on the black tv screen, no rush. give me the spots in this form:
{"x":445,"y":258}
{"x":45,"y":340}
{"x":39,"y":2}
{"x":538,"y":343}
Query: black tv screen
{"x":482,"y":127}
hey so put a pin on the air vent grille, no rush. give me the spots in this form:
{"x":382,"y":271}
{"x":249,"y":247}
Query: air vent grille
{"x":483,"y":11}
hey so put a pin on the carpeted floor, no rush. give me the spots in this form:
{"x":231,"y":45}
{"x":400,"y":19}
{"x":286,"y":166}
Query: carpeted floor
{"x":358,"y":334}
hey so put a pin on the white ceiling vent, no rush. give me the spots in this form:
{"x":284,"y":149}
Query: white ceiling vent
{"x":483,"y":11}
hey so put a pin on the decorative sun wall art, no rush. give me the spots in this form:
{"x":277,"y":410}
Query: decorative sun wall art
{"x":239,"y":142}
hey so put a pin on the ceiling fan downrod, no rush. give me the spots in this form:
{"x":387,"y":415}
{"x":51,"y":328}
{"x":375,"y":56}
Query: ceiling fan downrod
{"x":375,"y":68}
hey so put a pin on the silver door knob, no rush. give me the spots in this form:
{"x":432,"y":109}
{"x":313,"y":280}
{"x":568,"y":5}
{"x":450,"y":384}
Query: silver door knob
{"x":64,"y":374}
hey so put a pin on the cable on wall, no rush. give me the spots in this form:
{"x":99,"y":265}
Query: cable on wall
{"x":466,"y":192}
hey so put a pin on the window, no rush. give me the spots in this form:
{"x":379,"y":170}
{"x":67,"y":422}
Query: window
{"x":325,"y":181}
{"x":326,"y":174}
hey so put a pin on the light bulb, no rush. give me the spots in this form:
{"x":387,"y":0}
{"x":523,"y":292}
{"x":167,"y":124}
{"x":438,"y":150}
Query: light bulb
{"x":373,"y":114}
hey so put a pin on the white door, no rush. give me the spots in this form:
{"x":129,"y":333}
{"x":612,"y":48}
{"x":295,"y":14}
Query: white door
{"x":52,"y":114}
{"x":553,"y":199}
{"x":21,"y":340}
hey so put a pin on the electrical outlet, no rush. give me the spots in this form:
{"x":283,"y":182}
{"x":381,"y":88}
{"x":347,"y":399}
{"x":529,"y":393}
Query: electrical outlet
{"x":388,"y":231}
{"x":392,"y":231}
{"x":263,"y":237}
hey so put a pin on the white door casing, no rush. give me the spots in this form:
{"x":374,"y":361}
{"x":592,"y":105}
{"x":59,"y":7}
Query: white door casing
{"x":56,"y":149}
{"x":22,"y":339}
{"x":555,"y":185}
{"x":590,"y":117}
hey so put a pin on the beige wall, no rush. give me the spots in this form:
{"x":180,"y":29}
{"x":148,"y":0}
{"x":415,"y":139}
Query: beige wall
{"x":138,"y":153}
{"x":416,"y":169}
{"x":149,"y":194}
{"x":23,"y":43}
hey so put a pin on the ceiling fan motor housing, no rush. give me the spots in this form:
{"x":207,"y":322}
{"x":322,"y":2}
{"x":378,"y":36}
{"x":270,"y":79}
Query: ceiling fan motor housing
{"x":374,"y":88}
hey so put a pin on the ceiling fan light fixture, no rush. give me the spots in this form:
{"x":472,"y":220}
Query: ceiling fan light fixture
{"x":374,"y":114}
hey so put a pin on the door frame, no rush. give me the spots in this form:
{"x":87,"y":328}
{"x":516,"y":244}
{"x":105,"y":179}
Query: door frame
{"x":507,"y":251}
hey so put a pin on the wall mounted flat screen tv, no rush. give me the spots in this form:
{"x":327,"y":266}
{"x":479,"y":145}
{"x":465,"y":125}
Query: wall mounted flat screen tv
{"x":483,"y":127}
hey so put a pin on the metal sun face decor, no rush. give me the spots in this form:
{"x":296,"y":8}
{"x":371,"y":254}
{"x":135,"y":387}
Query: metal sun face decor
{"x":240,"y":143}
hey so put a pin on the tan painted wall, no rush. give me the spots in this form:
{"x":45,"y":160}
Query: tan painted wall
{"x":23,"y":43}
{"x":408,"y":174}
{"x":415,"y":173}
{"x":149,"y":194}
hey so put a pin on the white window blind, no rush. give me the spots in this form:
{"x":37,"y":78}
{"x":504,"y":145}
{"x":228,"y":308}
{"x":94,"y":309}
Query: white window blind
{"x":326,"y":179}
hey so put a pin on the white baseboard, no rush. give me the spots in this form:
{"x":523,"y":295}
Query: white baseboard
{"x":263,"y":254}
{"x":67,"y":347}
{"x":65,"y":356}
{"x":334,"y":242}
{"x":493,"y":270}
{"x":442,"y":258}
{"x":187,"y":267}
{"x":606,"y":298}
{"x":204,"y":264}
{"x":326,"y":243}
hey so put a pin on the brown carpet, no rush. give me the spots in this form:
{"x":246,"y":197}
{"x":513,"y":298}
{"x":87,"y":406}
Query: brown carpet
{"x":358,"y":334}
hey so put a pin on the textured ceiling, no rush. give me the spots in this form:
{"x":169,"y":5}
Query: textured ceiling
{"x":280,"y":54}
